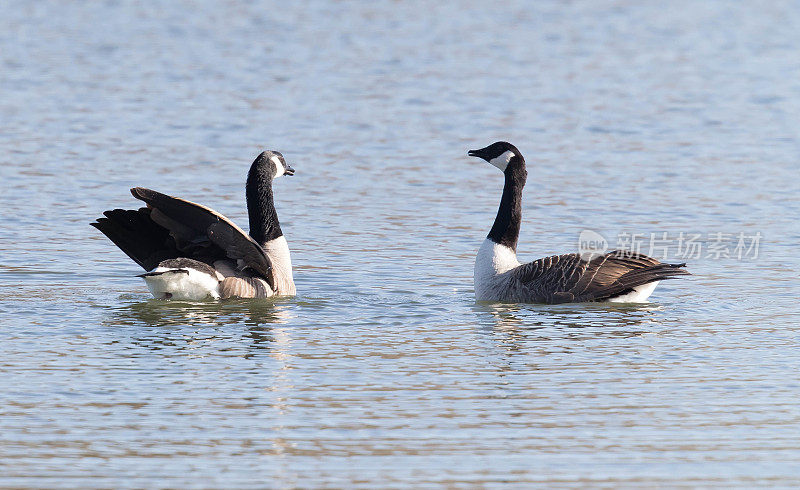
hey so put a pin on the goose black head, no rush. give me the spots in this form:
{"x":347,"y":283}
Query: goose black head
{"x":500,"y":154}
{"x":275,"y":163}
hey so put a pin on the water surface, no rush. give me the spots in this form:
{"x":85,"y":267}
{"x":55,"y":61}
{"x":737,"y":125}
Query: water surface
{"x":383,"y":371}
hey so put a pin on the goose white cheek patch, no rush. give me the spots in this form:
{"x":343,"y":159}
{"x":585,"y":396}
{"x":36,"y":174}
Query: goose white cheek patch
{"x":501,"y":162}
{"x":279,"y":168}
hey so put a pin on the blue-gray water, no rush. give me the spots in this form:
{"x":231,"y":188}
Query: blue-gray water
{"x":634,"y":118}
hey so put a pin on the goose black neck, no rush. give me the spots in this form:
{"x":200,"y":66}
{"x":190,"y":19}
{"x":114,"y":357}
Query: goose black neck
{"x":264,"y":225}
{"x":505,"y":230}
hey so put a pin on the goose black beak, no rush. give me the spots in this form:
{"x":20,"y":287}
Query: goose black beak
{"x":475,"y":153}
{"x":289,"y":171}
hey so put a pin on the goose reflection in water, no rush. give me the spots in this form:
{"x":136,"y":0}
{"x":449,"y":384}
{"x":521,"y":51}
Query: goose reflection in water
{"x":169,"y":324}
{"x":614,"y":320}
{"x":157,"y":313}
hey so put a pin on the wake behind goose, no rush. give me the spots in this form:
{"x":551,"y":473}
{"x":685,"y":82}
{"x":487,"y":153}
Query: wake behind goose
{"x":192,"y":252}
{"x":616,"y":276}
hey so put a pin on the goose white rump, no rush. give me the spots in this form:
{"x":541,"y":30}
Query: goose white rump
{"x":182,"y":284}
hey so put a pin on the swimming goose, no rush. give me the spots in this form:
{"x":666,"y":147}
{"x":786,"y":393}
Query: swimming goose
{"x":616,"y":276}
{"x":192,"y":252}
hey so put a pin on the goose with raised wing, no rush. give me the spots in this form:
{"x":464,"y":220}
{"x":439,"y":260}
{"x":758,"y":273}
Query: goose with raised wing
{"x":616,"y":276}
{"x":191,"y":252}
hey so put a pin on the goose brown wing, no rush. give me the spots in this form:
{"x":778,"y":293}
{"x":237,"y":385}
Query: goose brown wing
{"x":568,"y":278}
{"x":203,"y":232}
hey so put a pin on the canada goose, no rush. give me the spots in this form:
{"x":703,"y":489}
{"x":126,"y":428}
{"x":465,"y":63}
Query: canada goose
{"x":616,"y":276}
{"x":191,"y":252}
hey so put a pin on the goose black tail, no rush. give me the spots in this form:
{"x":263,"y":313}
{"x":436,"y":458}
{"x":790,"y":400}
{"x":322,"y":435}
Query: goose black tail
{"x":136,"y":234}
{"x":639,"y":277}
